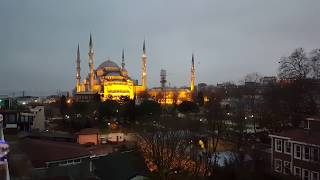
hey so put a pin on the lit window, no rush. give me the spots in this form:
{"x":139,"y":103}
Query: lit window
{"x":305,"y":174}
{"x":278,"y":165}
{"x":314,"y":175}
{"x":306,"y":152}
{"x":287,"y":167}
{"x":297,"y":171}
{"x":297,"y":153}
{"x":278,"y":145}
{"x":287,"y":147}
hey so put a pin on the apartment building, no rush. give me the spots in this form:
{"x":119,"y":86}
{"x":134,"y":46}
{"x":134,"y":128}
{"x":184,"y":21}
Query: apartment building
{"x":295,"y":152}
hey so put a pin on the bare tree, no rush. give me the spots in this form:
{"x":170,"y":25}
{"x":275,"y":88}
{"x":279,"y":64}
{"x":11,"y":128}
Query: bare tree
{"x":295,"y":66}
{"x":251,"y":96}
{"x":315,"y":63}
{"x":253,"y":77}
{"x":175,"y":96}
{"x":166,"y":151}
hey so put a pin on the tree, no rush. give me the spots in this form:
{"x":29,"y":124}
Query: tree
{"x":165,"y":152}
{"x":149,"y":108}
{"x":175,"y":96}
{"x":63,"y":105}
{"x":287,"y":104}
{"x":295,"y":66}
{"x":253,"y":77}
{"x":315,"y":63}
{"x":188,"y":107}
{"x":144,"y":96}
{"x":216,"y":116}
{"x":200,"y":99}
{"x":251,"y":96}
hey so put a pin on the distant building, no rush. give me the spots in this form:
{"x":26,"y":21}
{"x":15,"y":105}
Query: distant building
{"x":112,"y":82}
{"x":36,"y":118}
{"x":269,"y":80}
{"x":11,"y":121}
{"x":295,"y":152}
{"x":26,"y":100}
{"x":5,"y":102}
{"x":27,"y":120}
{"x":115,"y":137}
{"x":57,"y":159}
{"x":89,"y":135}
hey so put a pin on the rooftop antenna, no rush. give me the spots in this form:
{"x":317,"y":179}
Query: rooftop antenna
{"x":163,"y":78}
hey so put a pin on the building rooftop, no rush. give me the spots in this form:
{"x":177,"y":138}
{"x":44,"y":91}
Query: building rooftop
{"x":120,"y":165}
{"x":42,"y":151}
{"x":88,"y":131}
{"x":301,"y":135}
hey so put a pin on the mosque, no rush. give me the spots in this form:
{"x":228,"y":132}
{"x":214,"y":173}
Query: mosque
{"x":112,"y":82}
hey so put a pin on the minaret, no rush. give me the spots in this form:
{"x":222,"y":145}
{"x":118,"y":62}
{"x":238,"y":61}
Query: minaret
{"x":91,"y":65}
{"x":78,"y":77}
{"x":122,"y":64}
{"x":144,"y":67}
{"x":193,"y":75}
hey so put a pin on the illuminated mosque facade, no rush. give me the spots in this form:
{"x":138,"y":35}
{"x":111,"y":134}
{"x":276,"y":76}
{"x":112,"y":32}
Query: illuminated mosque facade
{"x":112,"y":82}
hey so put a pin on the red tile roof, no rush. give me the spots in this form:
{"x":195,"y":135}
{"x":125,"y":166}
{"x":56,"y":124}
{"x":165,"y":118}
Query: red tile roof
{"x":42,"y":151}
{"x":301,"y":135}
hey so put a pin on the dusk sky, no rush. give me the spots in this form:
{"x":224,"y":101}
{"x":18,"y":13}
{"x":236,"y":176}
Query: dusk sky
{"x":38,"y":38}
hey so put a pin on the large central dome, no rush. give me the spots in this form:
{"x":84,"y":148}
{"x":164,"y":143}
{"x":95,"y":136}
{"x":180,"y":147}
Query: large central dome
{"x":108,"y":64}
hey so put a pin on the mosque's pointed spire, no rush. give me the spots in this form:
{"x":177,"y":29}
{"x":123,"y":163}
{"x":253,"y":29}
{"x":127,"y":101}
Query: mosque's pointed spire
{"x":90,"y":42}
{"x":192,"y":59}
{"x":78,"y":77}
{"x":122,"y":64}
{"x":78,"y":53}
{"x":144,"y":47}
{"x":193,"y":75}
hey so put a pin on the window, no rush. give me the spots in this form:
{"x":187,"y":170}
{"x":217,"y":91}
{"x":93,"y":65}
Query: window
{"x":63,"y":163}
{"x":297,"y":153}
{"x":306,"y":153}
{"x":70,"y":161}
{"x":315,"y":154}
{"x":297,"y":171}
{"x":314,"y":175}
{"x":278,"y":165}
{"x":287,"y":147}
{"x":287,"y":167}
{"x":305,"y":174}
{"x":278,"y":145}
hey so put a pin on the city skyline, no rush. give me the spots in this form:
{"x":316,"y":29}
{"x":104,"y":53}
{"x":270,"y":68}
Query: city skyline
{"x":39,"y":41}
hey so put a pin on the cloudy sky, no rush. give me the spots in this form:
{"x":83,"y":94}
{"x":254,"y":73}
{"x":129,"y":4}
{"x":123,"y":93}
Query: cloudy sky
{"x":38,"y":38}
